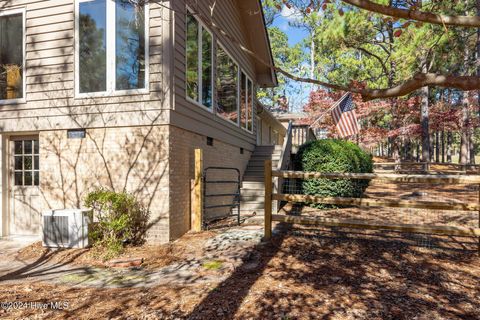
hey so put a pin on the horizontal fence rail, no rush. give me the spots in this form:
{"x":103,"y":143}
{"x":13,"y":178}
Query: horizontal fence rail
{"x":434,"y":178}
{"x":442,"y":179}
{"x":358,"y":224}
{"x":365,"y":202}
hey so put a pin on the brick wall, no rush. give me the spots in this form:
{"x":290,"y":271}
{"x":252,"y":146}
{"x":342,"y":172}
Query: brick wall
{"x":134,"y":159}
{"x":182,"y":148}
{"x":155,"y":163}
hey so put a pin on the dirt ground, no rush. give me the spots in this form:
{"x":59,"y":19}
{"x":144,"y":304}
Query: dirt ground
{"x":303,"y":273}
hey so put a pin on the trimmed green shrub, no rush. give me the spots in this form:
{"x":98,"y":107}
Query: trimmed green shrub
{"x":333,"y":156}
{"x":118,"y":219}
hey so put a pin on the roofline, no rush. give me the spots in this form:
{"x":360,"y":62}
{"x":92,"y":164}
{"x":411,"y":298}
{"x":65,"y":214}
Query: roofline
{"x":269,"y":114}
{"x":272,"y":61}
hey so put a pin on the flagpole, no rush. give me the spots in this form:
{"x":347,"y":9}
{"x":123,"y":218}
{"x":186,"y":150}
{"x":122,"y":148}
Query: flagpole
{"x":326,"y":112}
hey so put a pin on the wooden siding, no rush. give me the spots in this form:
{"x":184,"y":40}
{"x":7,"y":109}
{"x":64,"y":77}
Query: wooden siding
{"x":188,"y":115}
{"x":50,"y":102}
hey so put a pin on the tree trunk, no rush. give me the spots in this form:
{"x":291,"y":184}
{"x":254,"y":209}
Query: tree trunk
{"x":442,"y":138}
{"x":425,"y":125}
{"x":437,"y":147}
{"x":478,"y":55}
{"x":464,"y":134}
{"x":471,"y":145}
{"x":449,"y":146}
{"x":432,"y":147}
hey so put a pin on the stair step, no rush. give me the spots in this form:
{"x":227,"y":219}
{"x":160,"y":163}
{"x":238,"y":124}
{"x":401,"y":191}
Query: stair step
{"x":253,"y":185}
{"x":254,"y":170}
{"x":259,"y":198}
{"x":251,"y":206}
{"x":253,"y":179}
{"x":266,"y":154}
{"x":252,"y":192}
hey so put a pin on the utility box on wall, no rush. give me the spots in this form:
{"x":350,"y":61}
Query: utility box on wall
{"x":66,"y":228}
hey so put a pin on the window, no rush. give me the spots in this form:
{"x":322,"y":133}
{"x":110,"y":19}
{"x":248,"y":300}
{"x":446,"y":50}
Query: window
{"x":26,"y":163}
{"x":246,"y":102}
{"x":231,"y":91}
{"x":243,"y":101}
{"x":250,"y":90}
{"x":199,"y":50}
{"x":112,"y":46}
{"x":11,"y":55}
{"x":93,"y":46}
{"x":227,"y":86}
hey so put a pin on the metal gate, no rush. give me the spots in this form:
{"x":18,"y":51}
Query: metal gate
{"x":214,"y":195}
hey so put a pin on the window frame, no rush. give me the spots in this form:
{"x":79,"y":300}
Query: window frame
{"x":9,"y":12}
{"x":251,"y":91}
{"x":22,"y":155}
{"x":110,"y":54}
{"x":199,"y":67}
{"x":239,"y":74}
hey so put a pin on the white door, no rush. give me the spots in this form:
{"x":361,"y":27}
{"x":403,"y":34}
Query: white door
{"x":25,"y":215}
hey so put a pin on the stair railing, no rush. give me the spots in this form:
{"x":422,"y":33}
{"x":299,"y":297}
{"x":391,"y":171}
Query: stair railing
{"x":283,"y":163}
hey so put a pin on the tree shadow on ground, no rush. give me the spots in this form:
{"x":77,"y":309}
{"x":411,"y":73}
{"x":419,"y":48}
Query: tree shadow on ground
{"x":326,"y":274}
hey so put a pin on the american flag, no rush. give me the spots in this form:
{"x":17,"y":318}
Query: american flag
{"x":345,"y":117}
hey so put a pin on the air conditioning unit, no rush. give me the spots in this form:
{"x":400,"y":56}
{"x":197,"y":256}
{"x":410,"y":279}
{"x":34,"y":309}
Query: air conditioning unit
{"x":65,"y":228}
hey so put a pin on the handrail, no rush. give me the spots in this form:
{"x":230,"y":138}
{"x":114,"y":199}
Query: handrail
{"x":311,"y":135}
{"x":286,"y":149}
{"x":284,"y":161}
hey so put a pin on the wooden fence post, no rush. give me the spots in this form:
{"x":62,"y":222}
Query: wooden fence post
{"x":268,"y":199}
{"x":197,"y":212}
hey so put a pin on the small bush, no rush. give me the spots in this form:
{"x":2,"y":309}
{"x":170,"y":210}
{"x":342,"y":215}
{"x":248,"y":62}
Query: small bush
{"x":333,"y":156}
{"x":118,"y":219}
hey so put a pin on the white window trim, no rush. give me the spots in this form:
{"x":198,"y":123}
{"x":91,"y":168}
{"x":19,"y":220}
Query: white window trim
{"x":10,"y":12}
{"x":110,"y":38}
{"x":250,"y":116}
{"x":238,"y":85}
{"x":199,"y":59}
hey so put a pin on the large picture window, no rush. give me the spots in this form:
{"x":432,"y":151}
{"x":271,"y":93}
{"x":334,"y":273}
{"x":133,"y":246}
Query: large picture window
{"x":231,"y":91}
{"x":112,"y":46}
{"x":11,"y":55}
{"x":199,"y":49}
{"x":227,"y":86}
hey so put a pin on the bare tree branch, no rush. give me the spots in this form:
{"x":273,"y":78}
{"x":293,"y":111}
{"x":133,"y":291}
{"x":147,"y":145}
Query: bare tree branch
{"x":420,"y":80}
{"x":429,"y":17}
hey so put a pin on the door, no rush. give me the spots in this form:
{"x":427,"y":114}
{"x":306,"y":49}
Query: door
{"x":25,"y":215}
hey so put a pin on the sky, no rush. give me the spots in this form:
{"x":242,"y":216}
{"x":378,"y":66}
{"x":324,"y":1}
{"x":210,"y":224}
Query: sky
{"x":299,"y":92}
{"x":295,"y":35}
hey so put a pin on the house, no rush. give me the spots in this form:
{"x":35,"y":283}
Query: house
{"x":118,"y":94}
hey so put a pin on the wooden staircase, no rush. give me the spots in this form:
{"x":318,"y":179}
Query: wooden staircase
{"x":252,"y":192}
